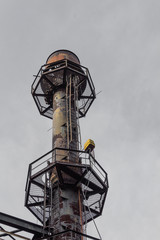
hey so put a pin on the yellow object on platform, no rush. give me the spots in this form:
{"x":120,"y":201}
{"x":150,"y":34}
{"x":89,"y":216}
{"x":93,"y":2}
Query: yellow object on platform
{"x":89,"y":145}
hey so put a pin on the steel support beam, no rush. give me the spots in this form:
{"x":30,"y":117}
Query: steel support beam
{"x":21,"y":224}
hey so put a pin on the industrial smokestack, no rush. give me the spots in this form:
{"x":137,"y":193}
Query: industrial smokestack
{"x":66,"y":188}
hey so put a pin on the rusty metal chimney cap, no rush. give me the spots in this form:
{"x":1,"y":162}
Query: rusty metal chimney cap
{"x":62,"y":54}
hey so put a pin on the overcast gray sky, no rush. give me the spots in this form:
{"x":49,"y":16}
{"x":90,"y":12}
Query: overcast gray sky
{"x":119,"y":42}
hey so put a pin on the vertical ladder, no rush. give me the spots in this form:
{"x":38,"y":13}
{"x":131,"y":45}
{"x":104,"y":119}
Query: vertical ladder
{"x":71,"y":109}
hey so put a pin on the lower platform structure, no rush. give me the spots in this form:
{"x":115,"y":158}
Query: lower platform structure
{"x":55,"y":169}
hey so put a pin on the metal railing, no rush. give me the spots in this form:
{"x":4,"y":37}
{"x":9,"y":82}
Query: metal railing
{"x":57,"y":154}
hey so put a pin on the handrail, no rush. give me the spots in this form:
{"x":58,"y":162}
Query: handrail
{"x":85,"y":157}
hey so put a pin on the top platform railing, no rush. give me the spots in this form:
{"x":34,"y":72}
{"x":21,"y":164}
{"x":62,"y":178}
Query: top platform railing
{"x":62,"y":64}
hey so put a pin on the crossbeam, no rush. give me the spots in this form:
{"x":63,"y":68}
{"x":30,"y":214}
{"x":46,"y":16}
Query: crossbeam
{"x":22,"y":224}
